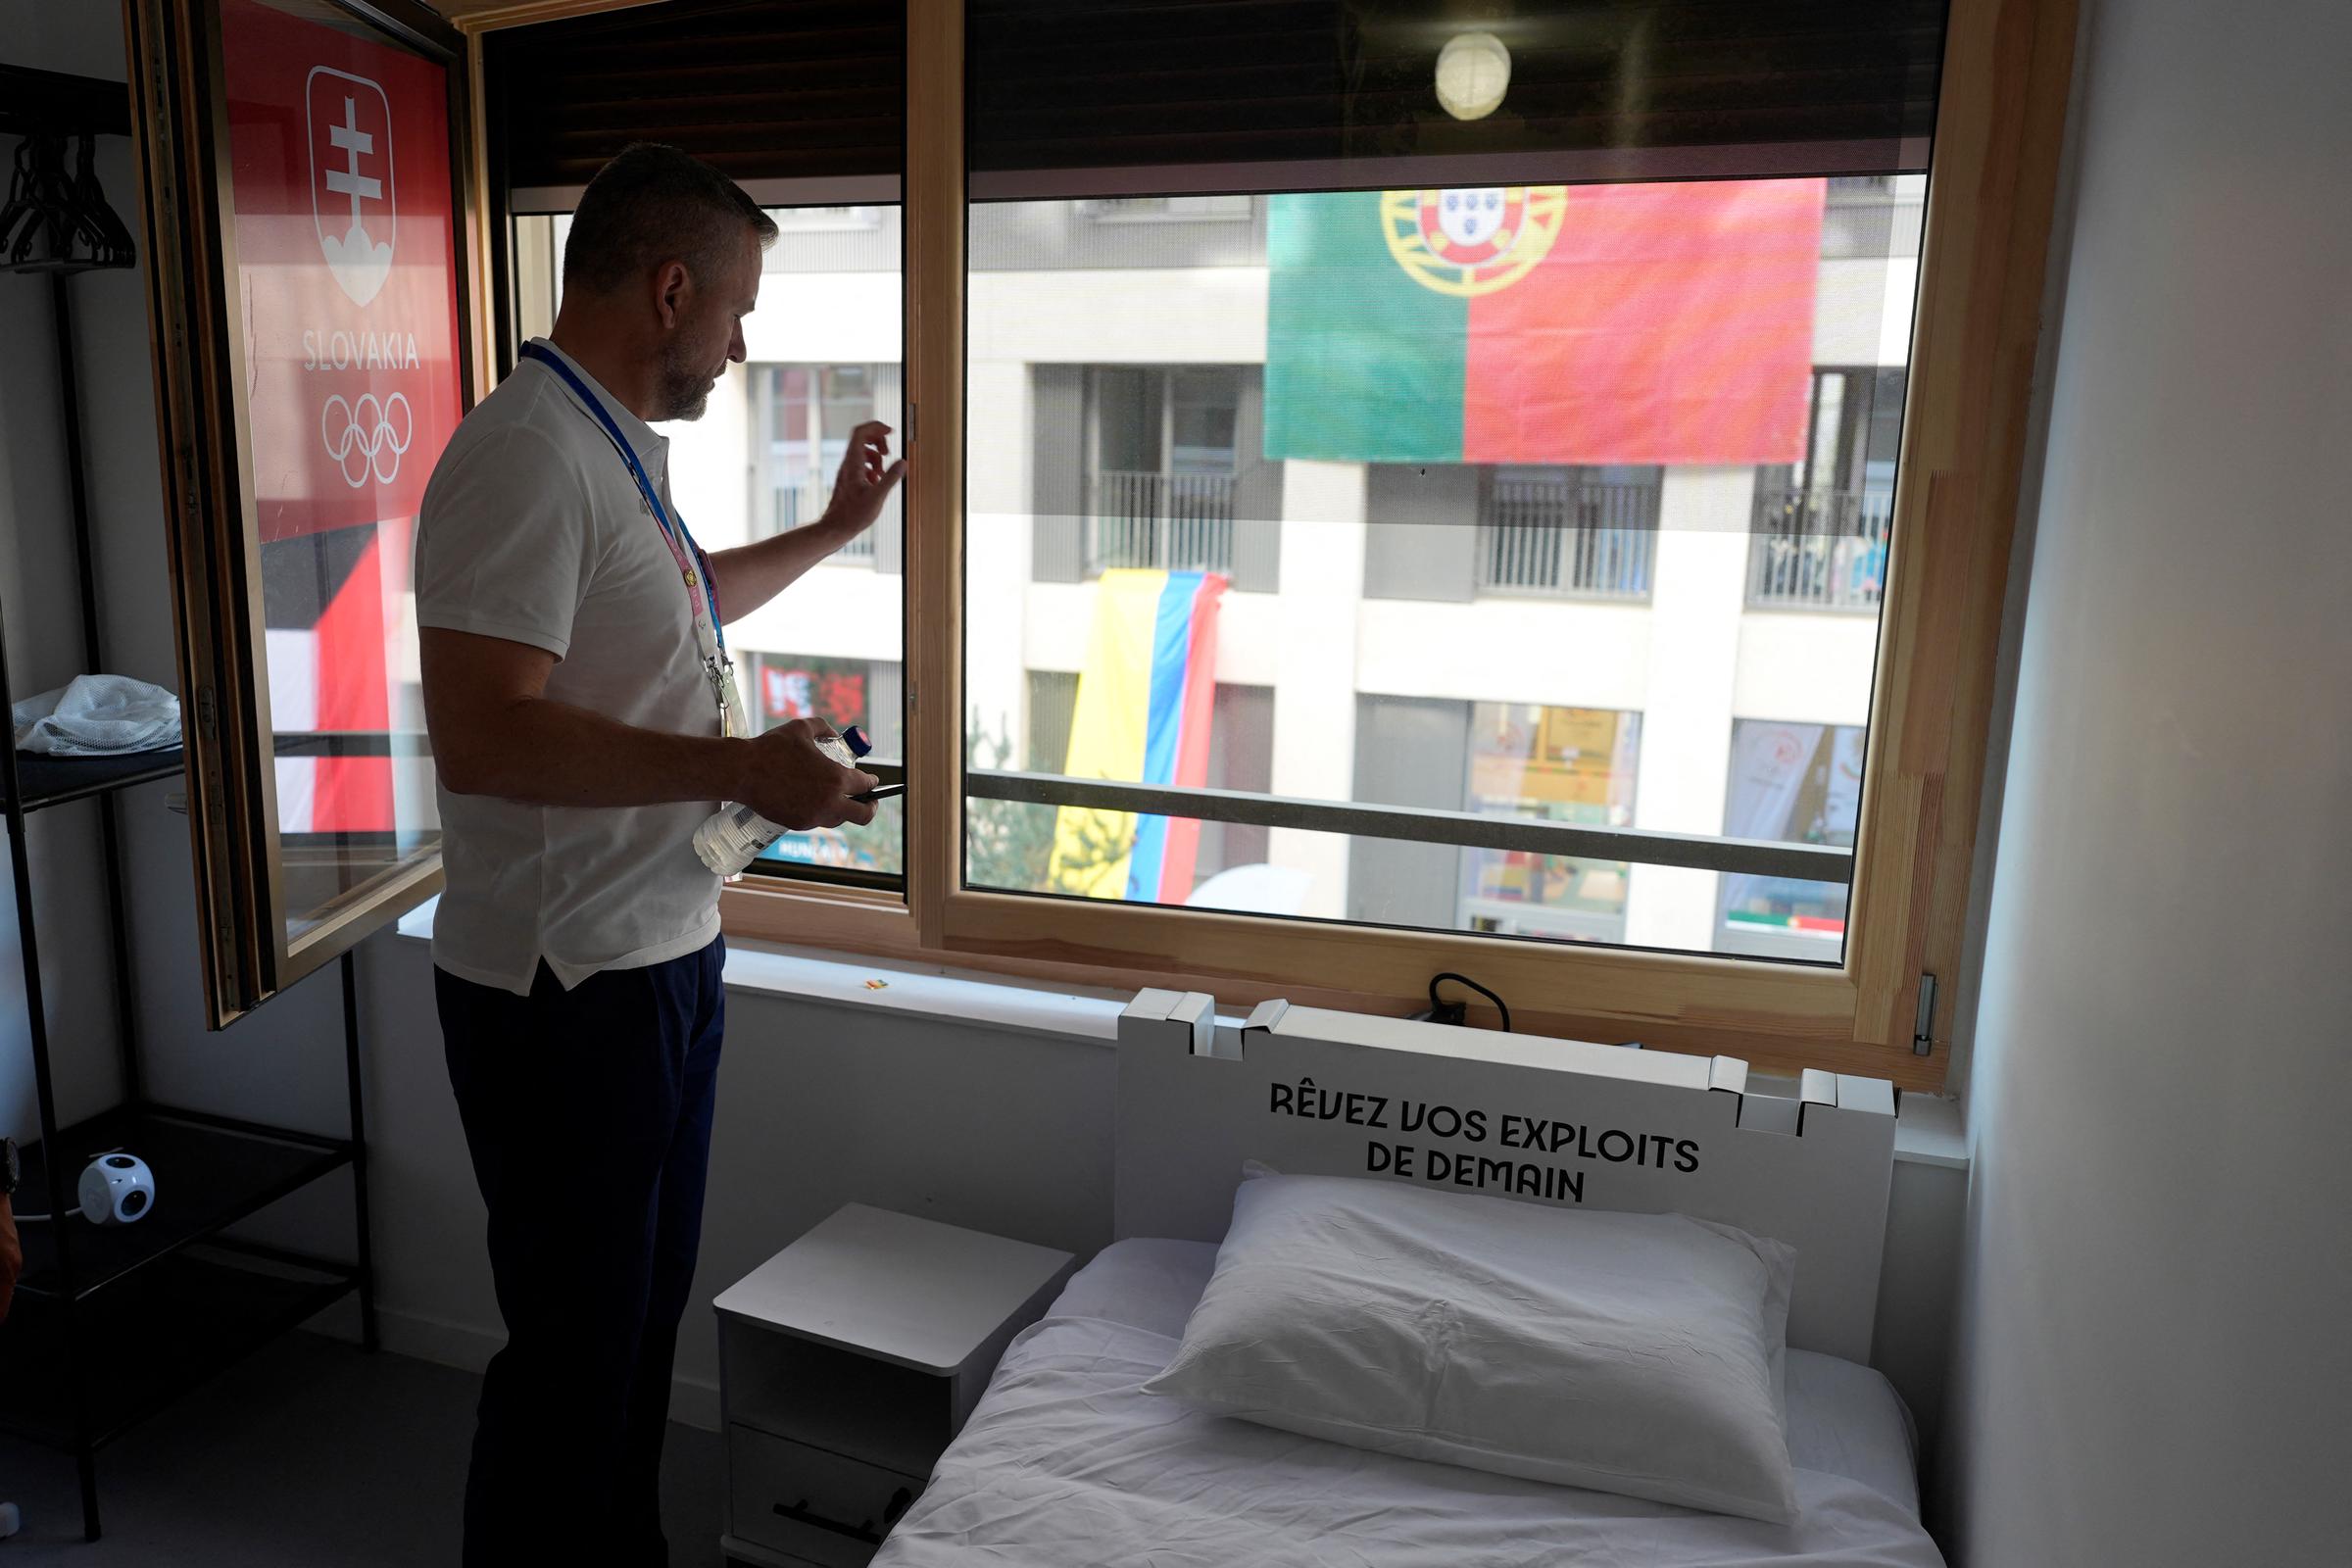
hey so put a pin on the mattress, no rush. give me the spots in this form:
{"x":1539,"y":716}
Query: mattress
{"x":1066,"y":1463}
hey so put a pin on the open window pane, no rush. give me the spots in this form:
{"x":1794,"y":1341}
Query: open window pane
{"x":344,"y":251}
{"x":1522,"y":493}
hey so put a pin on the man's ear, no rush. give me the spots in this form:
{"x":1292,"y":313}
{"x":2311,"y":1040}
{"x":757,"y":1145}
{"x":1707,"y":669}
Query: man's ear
{"x":671,"y":284}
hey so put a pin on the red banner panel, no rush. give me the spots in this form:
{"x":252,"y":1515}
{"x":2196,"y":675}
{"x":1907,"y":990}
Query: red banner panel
{"x":345,"y":239}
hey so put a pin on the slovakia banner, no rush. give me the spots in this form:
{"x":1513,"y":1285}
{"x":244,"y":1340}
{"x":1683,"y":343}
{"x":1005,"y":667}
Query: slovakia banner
{"x":347,"y":281}
{"x":339,"y":149}
{"x":1658,"y":323}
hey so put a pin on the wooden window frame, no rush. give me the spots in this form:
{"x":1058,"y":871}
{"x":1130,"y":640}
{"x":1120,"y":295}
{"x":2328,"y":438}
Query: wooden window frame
{"x":180,"y":107}
{"x":2000,"y":116}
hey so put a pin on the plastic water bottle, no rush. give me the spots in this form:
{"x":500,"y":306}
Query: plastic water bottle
{"x":732,"y":837}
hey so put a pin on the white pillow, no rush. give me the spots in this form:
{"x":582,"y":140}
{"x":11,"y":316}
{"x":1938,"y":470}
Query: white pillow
{"x":1636,"y":1353}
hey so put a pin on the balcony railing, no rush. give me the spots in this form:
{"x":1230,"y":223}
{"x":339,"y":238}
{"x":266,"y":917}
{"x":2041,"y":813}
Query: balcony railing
{"x":1704,"y":851}
{"x":796,"y":505}
{"x":1818,"y":549}
{"x":1568,"y":538}
{"x":1167,"y":521}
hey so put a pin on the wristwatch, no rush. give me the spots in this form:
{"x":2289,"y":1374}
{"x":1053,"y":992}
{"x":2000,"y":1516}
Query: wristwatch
{"x":8,"y":1168}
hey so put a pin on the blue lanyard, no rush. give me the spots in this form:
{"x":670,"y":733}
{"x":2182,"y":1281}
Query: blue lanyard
{"x":673,"y":530}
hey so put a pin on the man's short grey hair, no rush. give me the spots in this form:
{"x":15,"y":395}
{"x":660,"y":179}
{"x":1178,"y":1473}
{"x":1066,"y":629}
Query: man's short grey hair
{"x":653,"y":204}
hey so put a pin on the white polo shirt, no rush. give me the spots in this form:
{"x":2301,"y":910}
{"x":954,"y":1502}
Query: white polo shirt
{"x":533,"y":531}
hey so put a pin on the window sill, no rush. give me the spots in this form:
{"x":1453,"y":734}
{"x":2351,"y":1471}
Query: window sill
{"x":896,"y":985}
{"x":1927,"y":1130}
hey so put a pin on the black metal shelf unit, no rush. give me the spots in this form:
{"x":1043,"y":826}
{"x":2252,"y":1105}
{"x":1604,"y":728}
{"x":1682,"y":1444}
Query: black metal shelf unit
{"x":112,"y":1324}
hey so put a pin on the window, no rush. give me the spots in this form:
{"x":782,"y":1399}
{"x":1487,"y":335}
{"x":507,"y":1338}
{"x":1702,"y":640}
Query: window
{"x":1163,"y":209}
{"x":1188,"y":569}
{"x":1521,"y":761}
{"x":297,"y":433}
{"x":1610,"y":425}
{"x":802,"y":417}
{"x":1822,"y":524}
{"x":1582,"y":532}
{"x":1272,"y":441}
{"x":1795,"y":784}
{"x":1874,"y":215}
{"x":842,"y":692}
{"x":828,"y":219}
{"x":1559,"y":765}
{"x":1162,"y":468}
{"x":1489,"y":505}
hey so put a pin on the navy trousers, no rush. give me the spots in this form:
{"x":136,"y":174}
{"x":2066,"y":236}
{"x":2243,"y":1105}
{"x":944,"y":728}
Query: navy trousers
{"x":587,"y":1114}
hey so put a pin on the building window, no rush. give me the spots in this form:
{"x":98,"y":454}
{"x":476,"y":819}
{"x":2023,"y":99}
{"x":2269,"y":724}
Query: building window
{"x":1555,"y":764}
{"x":1821,"y":525}
{"x":1792,"y":784}
{"x":1164,"y":208}
{"x":802,"y":417}
{"x":842,"y":692}
{"x":1874,"y":215}
{"x":1162,"y":468}
{"x":827,"y":219}
{"x":1578,"y":532}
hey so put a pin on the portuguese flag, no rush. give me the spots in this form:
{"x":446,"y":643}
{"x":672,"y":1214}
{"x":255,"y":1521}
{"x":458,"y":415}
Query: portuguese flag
{"x":1665,"y":323}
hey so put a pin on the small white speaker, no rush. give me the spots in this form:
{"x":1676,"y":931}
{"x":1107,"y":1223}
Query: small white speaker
{"x":116,"y":1189}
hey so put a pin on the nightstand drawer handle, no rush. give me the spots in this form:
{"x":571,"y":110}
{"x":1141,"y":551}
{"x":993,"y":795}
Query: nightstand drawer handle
{"x":863,"y":1529}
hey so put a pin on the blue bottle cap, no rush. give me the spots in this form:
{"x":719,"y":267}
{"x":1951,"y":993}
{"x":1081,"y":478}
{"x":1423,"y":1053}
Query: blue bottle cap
{"x":857,"y":742}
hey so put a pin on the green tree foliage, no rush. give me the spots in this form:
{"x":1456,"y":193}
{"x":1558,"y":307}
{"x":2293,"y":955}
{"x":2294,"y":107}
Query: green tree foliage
{"x":1010,"y":843}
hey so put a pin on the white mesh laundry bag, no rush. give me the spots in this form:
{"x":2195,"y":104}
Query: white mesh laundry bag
{"x":98,"y":715}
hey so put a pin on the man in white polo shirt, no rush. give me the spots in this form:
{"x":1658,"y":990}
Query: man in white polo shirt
{"x":583,"y":722}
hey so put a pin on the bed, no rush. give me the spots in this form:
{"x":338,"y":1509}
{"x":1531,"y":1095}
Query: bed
{"x":1066,"y":1463}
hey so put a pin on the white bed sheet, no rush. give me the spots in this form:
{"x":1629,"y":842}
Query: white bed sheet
{"x":1068,"y":1463}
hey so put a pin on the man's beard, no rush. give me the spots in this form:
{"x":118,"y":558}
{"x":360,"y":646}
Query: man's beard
{"x":685,"y":391}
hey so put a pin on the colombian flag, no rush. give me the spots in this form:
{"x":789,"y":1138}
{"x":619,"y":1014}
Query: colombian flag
{"x":1657,"y":323}
{"x":1142,"y":715}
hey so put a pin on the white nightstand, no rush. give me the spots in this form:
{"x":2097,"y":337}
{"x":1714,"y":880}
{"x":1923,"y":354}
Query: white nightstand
{"x":847,"y":1362}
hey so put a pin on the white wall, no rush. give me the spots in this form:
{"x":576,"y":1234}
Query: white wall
{"x":818,"y":1104}
{"x":2153,"y":1348}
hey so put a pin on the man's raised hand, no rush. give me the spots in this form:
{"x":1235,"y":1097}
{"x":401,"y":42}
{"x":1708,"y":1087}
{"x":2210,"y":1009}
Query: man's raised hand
{"x":867,"y":476}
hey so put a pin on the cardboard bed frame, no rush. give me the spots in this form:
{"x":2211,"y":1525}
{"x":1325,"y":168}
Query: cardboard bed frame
{"x":1311,"y":1091}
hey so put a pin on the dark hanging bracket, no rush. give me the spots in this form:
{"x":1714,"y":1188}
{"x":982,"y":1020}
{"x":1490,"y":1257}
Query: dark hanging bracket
{"x":56,"y":218}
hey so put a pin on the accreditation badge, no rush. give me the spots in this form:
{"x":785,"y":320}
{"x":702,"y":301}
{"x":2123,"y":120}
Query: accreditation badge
{"x":731,"y":722}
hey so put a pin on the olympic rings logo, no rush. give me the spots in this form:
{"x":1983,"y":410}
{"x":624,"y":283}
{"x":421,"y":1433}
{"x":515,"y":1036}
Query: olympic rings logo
{"x":366,"y":431}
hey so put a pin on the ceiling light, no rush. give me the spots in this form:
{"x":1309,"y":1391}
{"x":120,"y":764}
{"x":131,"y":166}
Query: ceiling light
{"x":1474,"y":70}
